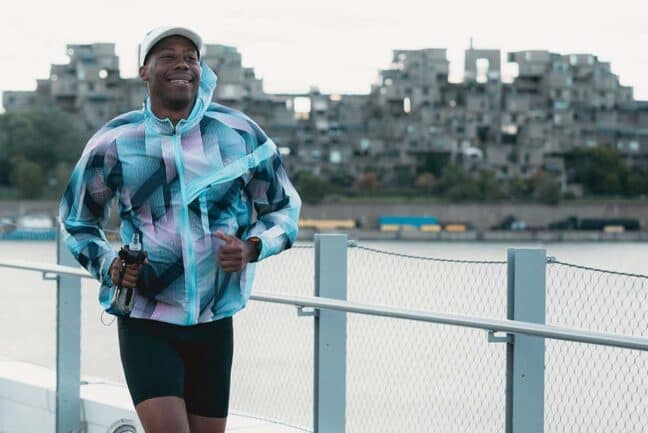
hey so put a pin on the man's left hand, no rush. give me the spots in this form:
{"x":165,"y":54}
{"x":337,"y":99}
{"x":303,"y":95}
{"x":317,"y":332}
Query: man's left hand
{"x":235,"y":253}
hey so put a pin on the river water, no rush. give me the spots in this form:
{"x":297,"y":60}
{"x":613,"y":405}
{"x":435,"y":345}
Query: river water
{"x":401,"y":376}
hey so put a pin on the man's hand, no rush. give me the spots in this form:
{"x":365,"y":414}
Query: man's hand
{"x":131,"y":273}
{"x":235,"y":254}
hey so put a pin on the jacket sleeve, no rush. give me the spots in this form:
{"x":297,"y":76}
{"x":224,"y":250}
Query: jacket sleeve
{"x":275,"y":201}
{"x":85,"y":207}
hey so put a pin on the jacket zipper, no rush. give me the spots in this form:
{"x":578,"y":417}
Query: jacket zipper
{"x":190,"y":271}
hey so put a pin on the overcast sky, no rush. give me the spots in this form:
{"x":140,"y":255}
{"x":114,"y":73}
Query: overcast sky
{"x":337,"y":45}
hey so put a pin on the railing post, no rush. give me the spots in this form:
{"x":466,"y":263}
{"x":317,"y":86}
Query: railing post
{"x":329,"y":402}
{"x":525,"y":356}
{"x":68,"y":345}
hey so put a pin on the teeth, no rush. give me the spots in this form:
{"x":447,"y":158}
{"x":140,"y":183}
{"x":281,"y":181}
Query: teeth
{"x":180,"y":81}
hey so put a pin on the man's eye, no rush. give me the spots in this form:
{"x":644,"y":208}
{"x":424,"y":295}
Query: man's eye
{"x":192,"y":59}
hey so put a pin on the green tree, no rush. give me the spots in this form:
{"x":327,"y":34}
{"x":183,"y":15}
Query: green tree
{"x":455,"y":184}
{"x":5,"y":163}
{"x":547,"y":189}
{"x":637,"y":183}
{"x":62,"y":174}
{"x":312,"y":189}
{"x":602,"y":171}
{"x":28,"y":177}
{"x":519,"y":189}
{"x":490,"y":187}
{"x":42,"y":136}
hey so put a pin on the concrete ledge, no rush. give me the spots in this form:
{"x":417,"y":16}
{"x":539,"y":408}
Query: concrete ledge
{"x":27,"y":404}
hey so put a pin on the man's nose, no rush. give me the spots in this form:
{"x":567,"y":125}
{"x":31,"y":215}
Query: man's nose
{"x":181,"y":64}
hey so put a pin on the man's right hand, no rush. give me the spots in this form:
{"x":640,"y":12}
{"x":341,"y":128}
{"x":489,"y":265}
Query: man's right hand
{"x":131,"y":273}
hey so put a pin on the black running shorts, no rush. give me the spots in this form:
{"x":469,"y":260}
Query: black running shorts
{"x":191,"y":362}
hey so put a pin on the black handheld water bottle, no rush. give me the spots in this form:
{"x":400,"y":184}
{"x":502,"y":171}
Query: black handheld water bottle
{"x":123,"y":299}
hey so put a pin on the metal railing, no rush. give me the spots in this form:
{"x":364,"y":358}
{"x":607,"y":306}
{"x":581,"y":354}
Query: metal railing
{"x":525,"y":351}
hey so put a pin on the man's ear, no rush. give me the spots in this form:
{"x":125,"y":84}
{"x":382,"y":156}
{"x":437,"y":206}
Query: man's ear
{"x":143,"y":73}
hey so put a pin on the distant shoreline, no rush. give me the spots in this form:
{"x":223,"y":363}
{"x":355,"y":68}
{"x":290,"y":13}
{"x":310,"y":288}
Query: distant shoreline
{"x":485,"y":236}
{"x":478,"y":216}
{"x":542,"y":236}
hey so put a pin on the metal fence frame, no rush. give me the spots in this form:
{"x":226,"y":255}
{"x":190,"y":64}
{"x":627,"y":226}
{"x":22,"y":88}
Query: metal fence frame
{"x":524,"y":333}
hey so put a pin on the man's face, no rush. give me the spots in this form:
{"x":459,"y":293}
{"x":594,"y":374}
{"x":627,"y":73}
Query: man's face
{"x":172,"y":71}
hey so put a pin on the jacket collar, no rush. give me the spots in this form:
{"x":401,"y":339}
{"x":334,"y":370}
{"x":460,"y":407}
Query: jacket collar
{"x":206,"y":89}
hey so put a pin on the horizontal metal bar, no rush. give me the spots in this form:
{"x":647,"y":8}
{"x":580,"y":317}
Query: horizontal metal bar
{"x":508,"y":326}
{"x":44,"y":267}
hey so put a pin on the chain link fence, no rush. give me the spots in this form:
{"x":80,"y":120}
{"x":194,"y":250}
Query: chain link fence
{"x":418,"y":377}
{"x":595,"y":388}
{"x":401,"y":375}
{"x":272,"y":373}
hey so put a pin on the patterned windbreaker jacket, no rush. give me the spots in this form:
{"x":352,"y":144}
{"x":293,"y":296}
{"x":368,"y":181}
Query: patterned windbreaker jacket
{"x":216,"y":170}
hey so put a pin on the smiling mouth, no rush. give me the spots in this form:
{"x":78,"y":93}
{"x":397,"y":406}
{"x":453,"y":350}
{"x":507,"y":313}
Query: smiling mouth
{"x":181,"y":82}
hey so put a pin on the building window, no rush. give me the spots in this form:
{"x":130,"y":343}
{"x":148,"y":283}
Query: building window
{"x":407,"y":105}
{"x":302,"y":106}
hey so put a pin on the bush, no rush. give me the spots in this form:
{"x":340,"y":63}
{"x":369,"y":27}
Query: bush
{"x":368,"y":181}
{"x":547,"y":190}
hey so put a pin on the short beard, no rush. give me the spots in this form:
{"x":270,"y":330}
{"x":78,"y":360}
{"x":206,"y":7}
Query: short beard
{"x":178,"y":104}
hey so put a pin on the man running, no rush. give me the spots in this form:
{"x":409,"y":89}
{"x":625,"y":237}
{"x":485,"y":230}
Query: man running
{"x":205,"y":190}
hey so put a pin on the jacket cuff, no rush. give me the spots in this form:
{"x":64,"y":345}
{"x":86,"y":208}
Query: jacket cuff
{"x":273,"y":240}
{"x":106,"y":261}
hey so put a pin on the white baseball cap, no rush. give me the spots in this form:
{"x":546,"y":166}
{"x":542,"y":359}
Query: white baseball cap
{"x":159,"y":33}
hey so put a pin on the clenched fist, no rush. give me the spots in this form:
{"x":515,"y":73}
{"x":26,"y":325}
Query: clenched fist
{"x":235,"y":253}
{"x":131,"y":273}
